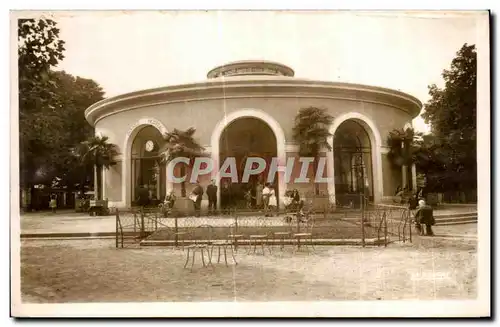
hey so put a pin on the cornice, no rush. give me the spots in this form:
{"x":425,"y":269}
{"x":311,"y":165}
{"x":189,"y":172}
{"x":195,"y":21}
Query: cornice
{"x":252,"y":87}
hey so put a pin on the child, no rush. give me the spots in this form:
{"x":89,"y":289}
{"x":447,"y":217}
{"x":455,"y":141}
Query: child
{"x":53,"y":203}
{"x":249,"y":198}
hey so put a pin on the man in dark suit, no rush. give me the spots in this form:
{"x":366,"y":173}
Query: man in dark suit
{"x":425,"y":216}
{"x":212,"y":197}
{"x":143,"y":196}
{"x":226,"y":198}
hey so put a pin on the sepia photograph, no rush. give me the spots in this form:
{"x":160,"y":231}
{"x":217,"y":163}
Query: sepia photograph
{"x":271,"y":162}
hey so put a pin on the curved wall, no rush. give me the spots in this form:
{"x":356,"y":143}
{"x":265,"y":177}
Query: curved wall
{"x":274,"y":99}
{"x":205,"y":115}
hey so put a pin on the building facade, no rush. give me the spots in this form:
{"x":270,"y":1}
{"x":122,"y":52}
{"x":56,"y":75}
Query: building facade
{"x":246,"y":109}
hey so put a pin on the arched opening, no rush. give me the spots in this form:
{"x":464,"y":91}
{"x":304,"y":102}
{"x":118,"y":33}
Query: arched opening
{"x":147,"y":169}
{"x":353,"y":169}
{"x":243,"y":138}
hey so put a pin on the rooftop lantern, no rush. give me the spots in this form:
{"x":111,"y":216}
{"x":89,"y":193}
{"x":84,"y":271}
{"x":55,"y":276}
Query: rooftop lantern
{"x":251,"y":67}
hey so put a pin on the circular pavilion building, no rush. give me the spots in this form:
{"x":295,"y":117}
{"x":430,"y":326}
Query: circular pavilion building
{"x":247,"y":109}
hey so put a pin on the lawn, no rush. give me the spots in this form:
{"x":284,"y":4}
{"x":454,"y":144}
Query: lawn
{"x":94,"y":271}
{"x":322,"y":229}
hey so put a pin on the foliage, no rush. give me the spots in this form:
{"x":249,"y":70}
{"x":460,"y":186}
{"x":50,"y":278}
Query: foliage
{"x":447,"y":156}
{"x":76,"y":94}
{"x":180,"y":143}
{"x":311,"y":131}
{"x":451,"y":112}
{"x":406,"y":155}
{"x":51,"y":108}
{"x":39,"y":49}
{"x":98,"y":152}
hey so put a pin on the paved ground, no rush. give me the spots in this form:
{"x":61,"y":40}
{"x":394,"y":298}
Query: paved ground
{"x":66,"y":223}
{"x":464,"y":230}
{"x":83,"y":271}
{"x":71,"y":222}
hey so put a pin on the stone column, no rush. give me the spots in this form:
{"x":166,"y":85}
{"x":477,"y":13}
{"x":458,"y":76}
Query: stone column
{"x":330,"y":170}
{"x":414,"y":177}
{"x":96,"y":187}
{"x":403,"y":176}
{"x":158,"y":179}
{"x":170,"y":183}
{"x":404,"y":170}
{"x":103,"y":183}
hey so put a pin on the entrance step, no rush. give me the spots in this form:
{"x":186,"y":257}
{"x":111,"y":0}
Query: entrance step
{"x":455,"y":219}
{"x":457,"y":223}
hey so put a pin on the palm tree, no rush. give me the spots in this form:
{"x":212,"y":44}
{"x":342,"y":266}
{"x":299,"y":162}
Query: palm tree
{"x":181,"y":144}
{"x":96,"y":152}
{"x":311,"y":132}
{"x":403,"y":145}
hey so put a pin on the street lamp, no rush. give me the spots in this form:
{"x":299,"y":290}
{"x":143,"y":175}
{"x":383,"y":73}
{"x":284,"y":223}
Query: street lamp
{"x":359,"y":168}
{"x":406,"y":151}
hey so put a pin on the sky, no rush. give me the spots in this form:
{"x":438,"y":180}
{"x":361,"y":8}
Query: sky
{"x":130,"y":51}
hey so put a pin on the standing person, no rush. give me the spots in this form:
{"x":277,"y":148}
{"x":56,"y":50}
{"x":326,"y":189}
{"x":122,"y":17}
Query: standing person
{"x":288,"y":200}
{"x":212,"y":197}
{"x":150,"y":193}
{"x":231,"y":198}
{"x":296,"y":199}
{"x":265,"y":198}
{"x":143,"y":199}
{"x":168,"y":203}
{"x":273,"y":201}
{"x":53,"y":203}
{"x":253,"y":194}
{"x":413,"y":202}
{"x":425,"y":216}
{"x":170,"y":199}
{"x":224,"y":198}
{"x":197,"y":195}
{"x":258,"y":195}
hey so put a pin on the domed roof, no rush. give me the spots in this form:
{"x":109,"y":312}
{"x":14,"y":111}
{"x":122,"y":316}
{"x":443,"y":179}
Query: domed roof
{"x":251,"y":67}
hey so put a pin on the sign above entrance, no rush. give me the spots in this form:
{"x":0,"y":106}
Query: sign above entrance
{"x":148,"y":121}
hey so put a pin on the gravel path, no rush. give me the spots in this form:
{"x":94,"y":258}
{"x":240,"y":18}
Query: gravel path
{"x":94,"y":271}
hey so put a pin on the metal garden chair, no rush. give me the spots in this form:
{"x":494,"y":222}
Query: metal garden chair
{"x":234,"y":236}
{"x":306,"y":235}
{"x":200,"y":245}
{"x":224,"y":245}
{"x":261,"y":237}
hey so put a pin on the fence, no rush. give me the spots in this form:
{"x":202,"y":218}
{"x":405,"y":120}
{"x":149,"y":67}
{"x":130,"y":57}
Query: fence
{"x":368,"y":224}
{"x":391,"y":221}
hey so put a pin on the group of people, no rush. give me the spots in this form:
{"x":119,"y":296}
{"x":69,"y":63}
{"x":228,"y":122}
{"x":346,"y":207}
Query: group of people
{"x":260,"y":196}
{"x":293,"y":201}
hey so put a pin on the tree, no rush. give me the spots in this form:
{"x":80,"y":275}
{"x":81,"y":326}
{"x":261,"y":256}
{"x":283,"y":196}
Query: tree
{"x":403,"y":155}
{"x":405,"y":149}
{"x":311,"y":131}
{"x":181,"y":144}
{"x":39,"y":49}
{"x":96,"y":152}
{"x":75,"y":95}
{"x":451,"y":113}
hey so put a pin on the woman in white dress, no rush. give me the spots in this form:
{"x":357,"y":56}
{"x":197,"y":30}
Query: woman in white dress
{"x":265,"y":198}
{"x":273,"y":203}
